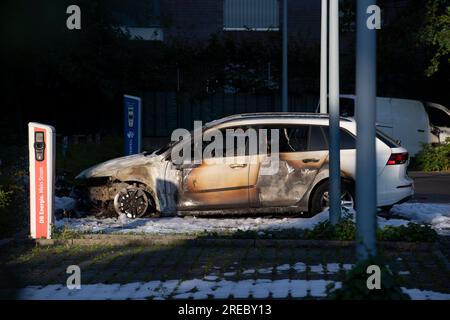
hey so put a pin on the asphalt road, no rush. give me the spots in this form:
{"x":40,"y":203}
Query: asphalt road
{"x":432,"y":187}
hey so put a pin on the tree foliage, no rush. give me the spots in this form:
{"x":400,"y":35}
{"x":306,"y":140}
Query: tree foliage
{"x":436,"y":33}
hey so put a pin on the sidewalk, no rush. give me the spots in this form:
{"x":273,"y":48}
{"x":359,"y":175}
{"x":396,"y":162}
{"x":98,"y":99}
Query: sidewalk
{"x":200,"y":272}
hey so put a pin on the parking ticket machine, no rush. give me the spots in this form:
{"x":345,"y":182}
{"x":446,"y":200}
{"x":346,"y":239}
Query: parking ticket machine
{"x":41,"y":144}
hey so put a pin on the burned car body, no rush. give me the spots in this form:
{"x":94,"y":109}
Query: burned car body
{"x":154,"y":183}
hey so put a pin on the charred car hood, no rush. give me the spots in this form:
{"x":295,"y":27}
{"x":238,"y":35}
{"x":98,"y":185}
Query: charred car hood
{"x":111,"y":167}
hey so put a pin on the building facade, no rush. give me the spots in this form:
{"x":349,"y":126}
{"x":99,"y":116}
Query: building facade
{"x":197,"y":20}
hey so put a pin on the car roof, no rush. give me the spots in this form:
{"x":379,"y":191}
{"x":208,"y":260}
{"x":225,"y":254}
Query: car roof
{"x":274,"y":116}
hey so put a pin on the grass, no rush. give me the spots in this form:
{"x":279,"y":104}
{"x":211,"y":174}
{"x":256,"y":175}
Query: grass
{"x":66,"y":233}
{"x":344,"y":231}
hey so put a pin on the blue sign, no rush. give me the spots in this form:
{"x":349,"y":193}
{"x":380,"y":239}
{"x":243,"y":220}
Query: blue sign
{"x":132,"y":124}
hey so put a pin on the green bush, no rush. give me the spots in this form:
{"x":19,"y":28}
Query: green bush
{"x":343,"y":231}
{"x":346,"y":228}
{"x":434,"y":158}
{"x":13,"y":190}
{"x":354,"y":285}
{"x":10,"y":210}
{"x":5,"y":198}
{"x":411,"y":233}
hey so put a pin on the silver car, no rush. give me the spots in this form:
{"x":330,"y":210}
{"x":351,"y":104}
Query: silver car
{"x":152,"y":183}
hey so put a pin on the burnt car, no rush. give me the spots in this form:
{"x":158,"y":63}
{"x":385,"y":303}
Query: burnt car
{"x":153,"y":183}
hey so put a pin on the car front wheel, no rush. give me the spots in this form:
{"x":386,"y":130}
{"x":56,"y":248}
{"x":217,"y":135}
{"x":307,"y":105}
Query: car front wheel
{"x":131,"y":201}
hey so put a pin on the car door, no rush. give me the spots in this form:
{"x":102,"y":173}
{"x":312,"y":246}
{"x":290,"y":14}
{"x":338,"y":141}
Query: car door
{"x":299,"y":161}
{"x":217,"y":183}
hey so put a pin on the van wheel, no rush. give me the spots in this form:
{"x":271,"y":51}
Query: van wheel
{"x":320,"y":199}
{"x":131,"y":201}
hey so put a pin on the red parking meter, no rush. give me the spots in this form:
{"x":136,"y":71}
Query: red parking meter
{"x":41,"y":144}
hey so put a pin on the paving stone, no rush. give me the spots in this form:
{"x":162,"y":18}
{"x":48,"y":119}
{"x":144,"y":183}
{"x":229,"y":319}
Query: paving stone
{"x":41,"y":266}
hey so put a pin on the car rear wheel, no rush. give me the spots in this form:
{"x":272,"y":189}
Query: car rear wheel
{"x":320,"y":199}
{"x":131,"y":201}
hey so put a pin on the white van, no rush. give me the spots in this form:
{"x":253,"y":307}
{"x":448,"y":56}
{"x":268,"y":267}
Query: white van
{"x":411,"y":122}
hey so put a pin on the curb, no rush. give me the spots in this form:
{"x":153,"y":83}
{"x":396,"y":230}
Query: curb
{"x":174,"y":240}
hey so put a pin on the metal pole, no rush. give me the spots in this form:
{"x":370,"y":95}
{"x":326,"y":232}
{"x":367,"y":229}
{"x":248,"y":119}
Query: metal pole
{"x":324,"y":58}
{"x":366,"y":172}
{"x":284,"y":102}
{"x":334,"y":162}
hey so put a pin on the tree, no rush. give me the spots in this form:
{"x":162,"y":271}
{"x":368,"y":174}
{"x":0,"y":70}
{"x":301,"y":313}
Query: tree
{"x":436,"y":33}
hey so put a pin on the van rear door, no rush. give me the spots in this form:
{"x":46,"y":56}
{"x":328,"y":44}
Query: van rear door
{"x":411,"y":124}
{"x":384,"y":116}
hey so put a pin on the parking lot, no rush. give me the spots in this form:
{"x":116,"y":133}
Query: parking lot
{"x":180,"y":270}
{"x":432,"y":187}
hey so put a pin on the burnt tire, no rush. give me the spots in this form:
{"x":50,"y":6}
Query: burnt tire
{"x":319,"y":200}
{"x":132,"y":201}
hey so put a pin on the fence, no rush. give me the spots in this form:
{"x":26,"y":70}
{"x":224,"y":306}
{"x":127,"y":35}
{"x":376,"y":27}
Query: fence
{"x":164,"y":112}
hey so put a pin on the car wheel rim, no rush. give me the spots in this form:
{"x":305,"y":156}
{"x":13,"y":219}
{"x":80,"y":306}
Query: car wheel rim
{"x":346,"y":200}
{"x":133,"y":202}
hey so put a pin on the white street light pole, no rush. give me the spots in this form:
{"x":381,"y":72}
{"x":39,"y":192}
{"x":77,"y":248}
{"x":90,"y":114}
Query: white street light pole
{"x":366,"y":172}
{"x":284,"y":102}
{"x":324,"y":58}
{"x":334,"y":155}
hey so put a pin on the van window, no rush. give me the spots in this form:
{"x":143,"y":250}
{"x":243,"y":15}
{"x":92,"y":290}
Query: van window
{"x":438,"y":117}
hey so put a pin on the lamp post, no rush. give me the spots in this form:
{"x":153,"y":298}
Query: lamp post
{"x":324,"y":58}
{"x":284,"y":99}
{"x":334,"y":127}
{"x":366,"y":171}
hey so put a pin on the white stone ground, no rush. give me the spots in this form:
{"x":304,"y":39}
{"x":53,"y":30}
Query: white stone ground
{"x":214,"y":286}
{"x":200,"y":289}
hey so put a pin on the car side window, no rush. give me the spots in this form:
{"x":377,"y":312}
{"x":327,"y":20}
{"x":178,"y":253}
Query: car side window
{"x":291,"y":138}
{"x":347,"y":107}
{"x":238,"y":137}
{"x":316,"y":139}
{"x":348,"y":141}
{"x":294,"y":139}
